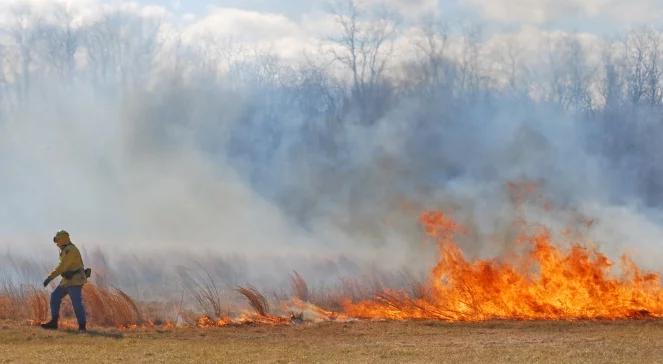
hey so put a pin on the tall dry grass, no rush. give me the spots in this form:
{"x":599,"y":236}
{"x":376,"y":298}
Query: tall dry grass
{"x":110,"y":307}
{"x":104,"y":307}
{"x":202,"y":286}
{"x":257,"y":301}
{"x":23,"y":302}
{"x":204,"y":295}
{"x":299,"y":286}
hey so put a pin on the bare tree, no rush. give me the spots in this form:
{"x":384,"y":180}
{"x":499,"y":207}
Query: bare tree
{"x":59,"y":43}
{"x":434,"y":70}
{"x":216,"y":55}
{"x":611,"y":88}
{"x":139,"y":50}
{"x":102,"y":43}
{"x":3,"y":80}
{"x":516,"y":72}
{"x":23,"y":35}
{"x":121,"y":48}
{"x":635,"y":55}
{"x":642,"y":49}
{"x":469,"y":72}
{"x":364,"y":47}
{"x":570,"y":75}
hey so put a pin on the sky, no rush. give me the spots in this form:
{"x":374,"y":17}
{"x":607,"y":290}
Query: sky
{"x":592,"y":16}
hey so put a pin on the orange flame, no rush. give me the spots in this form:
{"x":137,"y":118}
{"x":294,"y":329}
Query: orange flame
{"x":206,"y":321}
{"x":547,"y":283}
{"x":244,"y":319}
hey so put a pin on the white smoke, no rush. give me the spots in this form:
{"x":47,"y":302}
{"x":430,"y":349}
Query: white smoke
{"x":179,"y":143}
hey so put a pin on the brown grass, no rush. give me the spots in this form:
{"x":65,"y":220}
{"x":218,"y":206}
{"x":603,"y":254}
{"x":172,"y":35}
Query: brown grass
{"x":299,"y":287}
{"x":23,"y":302}
{"x":38,"y":304}
{"x":110,"y":307}
{"x":104,"y":307}
{"x":356,"y":342}
{"x":205,"y":291}
{"x":256,"y":300}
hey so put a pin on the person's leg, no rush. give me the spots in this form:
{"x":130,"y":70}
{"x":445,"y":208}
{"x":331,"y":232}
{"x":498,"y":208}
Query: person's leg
{"x":76,"y":296}
{"x":56,"y":299}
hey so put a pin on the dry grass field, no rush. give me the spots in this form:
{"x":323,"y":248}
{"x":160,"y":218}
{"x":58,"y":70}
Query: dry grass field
{"x":357,"y":342}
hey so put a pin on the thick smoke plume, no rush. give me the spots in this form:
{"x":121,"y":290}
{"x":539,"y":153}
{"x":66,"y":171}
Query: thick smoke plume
{"x":169,"y":149}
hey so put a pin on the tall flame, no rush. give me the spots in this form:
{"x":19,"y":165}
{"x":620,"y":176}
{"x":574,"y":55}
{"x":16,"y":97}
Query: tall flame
{"x":547,"y":282}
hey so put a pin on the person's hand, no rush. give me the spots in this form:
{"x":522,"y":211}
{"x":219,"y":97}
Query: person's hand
{"x":47,"y":281}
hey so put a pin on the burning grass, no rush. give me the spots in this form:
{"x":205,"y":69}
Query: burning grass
{"x":538,"y":281}
{"x":545,"y":283}
{"x":256,"y":300}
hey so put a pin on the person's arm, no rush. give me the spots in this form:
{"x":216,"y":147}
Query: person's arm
{"x":66,"y":261}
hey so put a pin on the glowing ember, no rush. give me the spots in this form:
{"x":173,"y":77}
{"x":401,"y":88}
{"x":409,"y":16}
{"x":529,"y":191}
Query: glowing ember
{"x":313,"y":313}
{"x":206,"y":321}
{"x":244,"y":319}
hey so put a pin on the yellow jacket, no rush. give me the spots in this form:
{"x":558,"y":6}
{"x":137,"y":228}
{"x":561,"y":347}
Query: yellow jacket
{"x":70,"y":260}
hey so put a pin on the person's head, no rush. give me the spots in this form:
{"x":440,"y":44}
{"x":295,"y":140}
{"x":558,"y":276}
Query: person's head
{"x":61,"y":238}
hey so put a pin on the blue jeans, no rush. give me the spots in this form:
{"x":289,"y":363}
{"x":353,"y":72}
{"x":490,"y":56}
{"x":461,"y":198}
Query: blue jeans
{"x":76,"y":297}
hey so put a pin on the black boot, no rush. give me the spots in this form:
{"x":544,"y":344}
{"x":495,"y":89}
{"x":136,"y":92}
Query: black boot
{"x":81,"y":328}
{"x":51,"y":325}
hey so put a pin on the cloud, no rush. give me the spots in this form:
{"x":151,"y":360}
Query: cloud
{"x":547,"y":11}
{"x":527,"y":11}
{"x":408,"y":9}
{"x":637,"y":11}
{"x":76,"y":12}
{"x":250,"y":28}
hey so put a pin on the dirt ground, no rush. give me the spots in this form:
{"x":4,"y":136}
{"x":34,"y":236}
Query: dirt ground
{"x":356,"y":342}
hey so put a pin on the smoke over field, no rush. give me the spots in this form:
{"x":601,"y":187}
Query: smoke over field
{"x":187,"y":157}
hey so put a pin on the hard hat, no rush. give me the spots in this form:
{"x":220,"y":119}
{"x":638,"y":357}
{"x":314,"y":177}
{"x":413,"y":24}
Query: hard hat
{"x":63,"y":236}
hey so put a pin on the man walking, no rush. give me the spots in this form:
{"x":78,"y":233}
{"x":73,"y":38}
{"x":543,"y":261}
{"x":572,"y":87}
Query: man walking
{"x":73,"y":277}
